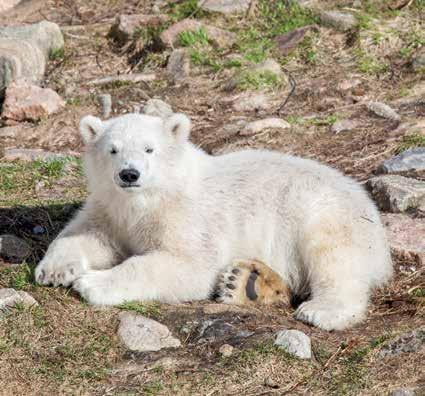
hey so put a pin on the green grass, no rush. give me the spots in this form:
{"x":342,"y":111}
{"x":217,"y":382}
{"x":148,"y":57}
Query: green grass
{"x":370,"y":64}
{"x":149,"y":309}
{"x":253,"y":45}
{"x":57,"y":54}
{"x":184,"y":9}
{"x":258,"y":80}
{"x":411,"y":141}
{"x":194,"y":38}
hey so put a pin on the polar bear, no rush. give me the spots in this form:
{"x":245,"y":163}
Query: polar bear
{"x":165,"y":221}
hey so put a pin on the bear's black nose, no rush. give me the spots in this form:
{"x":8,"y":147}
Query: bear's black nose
{"x":129,"y":175}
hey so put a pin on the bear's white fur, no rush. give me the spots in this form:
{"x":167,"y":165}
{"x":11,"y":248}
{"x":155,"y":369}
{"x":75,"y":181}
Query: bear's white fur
{"x":170,"y":234}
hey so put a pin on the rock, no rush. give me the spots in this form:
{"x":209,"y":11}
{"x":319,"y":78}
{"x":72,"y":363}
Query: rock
{"x":14,"y":249}
{"x":286,"y":42}
{"x":105,"y":101}
{"x":215,"y":329}
{"x":418,"y":62}
{"x":382,"y":110}
{"x":342,"y":21}
{"x":28,"y":155}
{"x":406,"y":236}
{"x":394,"y":193}
{"x":28,"y":102}
{"x":348,"y":85}
{"x":294,"y":342}
{"x":24,"y":51}
{"x":403,"y":392}
{"x":413,"y":159}
{"x":258,"y":126}
{"x":220,"y":37}
{"x":157,"y":108}
{"x":178,"y":66}
{"x":125,"y":25}
{"x":412,"y":341}
{"x":142,"y":334}
{"x":344,"y":126}
{"x":249,"y":101}
{"x":7,"y":4}
{"x":226,"y":350}
{"x":225,"y":6}
{"x":10,"y":297}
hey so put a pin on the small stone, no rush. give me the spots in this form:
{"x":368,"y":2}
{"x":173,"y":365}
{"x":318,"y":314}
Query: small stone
{"x":10,"y":297}
{"x":220,"y":37}
{"x":382,"y":110}
{"x":14,"y":249}
{"x":294,"y":342}
{"x":225,"y":6}
{"x":126,"y":25}
{"x":413,"y":159}
{"x":342,"y":21}
{"x":403,"y":392}
{"x":269,"y":382}
{"x":418,"y":62}
{"x":28,"y":102}
{"x":344,"y":126}
{"x":8,"y":4}
{"x":226,"y":350}
{"x":258,"y":126}
{"x":412,"y":341}
{"x":178,"y":66}
{"x":249,"y":101}
{"x":269,"y":65}
{"x":406,"y":236}
{"x":347,"y":85}
{"x":105,"y":101}
{"x":394,"y":193}
{"x":157,"y":108}
{"x":38,"y":230}
{"x":215,"y":329}
{"x":142,"y":334}
{"x":28,"y":155}
{"x":288,"y":41}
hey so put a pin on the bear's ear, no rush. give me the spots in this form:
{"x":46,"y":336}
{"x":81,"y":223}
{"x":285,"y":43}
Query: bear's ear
{"x":179,"y":126}
{"x":90,"y":128}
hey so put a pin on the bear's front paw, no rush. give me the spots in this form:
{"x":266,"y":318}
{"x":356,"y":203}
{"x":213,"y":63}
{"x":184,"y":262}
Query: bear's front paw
{"x":99,"y":288}
{"x":59,"y":269}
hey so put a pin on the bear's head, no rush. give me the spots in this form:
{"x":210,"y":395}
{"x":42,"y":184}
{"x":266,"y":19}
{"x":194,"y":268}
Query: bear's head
{"x":134,"y":152}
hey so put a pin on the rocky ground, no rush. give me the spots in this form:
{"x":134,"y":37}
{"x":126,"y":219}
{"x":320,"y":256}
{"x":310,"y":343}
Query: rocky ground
{"x":338,"y":81}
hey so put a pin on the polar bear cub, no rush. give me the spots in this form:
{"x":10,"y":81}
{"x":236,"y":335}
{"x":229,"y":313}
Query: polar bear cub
{"x":163,"y":220}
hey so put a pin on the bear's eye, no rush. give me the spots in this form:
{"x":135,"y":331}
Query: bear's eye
{"x":113,"y":150}
{"x":149,"y":150}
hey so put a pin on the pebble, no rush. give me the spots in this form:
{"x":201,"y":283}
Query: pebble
{"x":294,"y":342}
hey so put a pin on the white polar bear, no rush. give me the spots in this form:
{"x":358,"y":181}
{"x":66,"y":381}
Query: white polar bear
{"x":163,"y":219}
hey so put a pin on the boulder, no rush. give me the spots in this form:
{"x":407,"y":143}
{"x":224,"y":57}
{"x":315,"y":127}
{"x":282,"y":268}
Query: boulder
{"x":178,"y":66}
{"x":412,"y":341}
{"x":11,"y":297}
{"x":14,"y":249}
{"x":254,"y":127}
{"x":342,"y":21}
{"x":412,"y":159}
{"x":225,"y":6}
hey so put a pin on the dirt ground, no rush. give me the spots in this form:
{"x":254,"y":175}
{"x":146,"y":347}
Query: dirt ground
{"x":64,"y":346}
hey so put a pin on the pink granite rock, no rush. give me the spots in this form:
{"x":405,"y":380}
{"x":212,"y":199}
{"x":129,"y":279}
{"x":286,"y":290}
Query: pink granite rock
{"x":25,"y":101}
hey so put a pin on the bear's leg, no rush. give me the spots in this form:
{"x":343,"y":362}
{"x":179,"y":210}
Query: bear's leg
{"x":155,"y":276}
{"x":76,"y":250}
{"x":251,"y":282}
{"x":339,"y":263}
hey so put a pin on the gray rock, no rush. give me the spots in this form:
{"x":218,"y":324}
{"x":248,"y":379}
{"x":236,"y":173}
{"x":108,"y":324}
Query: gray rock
{"x":24,"y":51}
{"x":412,"y":341}
{"x":215,"y":329}
{"x":269,"y":65}
{"x":14,"y":249}
{"x":10,"y":297}
{"x":142,"y":334}
{"x":344,"y":126}
{"x":413,"y":159}
{"x":294,"y":342}
{"x":403,"y":392}
{"x":105,"y":101}
{"x":225,"y":6}
{"x":418,"y":62}
{"x":394,"y":193}
{"x":157,"y":108}
{"x":249,"y":101}
{"x":406,"y":236}
{"x":339,"y":20}
{"x":258,"y":126}
{"x":27,"y":155}
{"x":382,"y":110}
{"x":178,"y":66}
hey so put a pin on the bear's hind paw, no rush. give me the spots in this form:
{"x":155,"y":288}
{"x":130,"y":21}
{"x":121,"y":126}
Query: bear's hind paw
{"x":248,"y":282}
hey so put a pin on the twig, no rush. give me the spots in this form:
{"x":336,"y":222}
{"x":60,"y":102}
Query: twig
{"x":293,"y":84}
{"x":251,"y":10}
{"x":137,"y":77}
